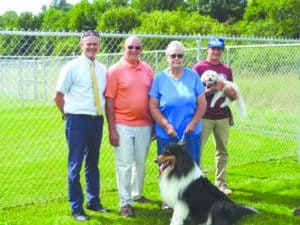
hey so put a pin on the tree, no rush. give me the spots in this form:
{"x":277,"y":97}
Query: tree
{"x":10,"y":20}
{"x":83,"y":17}
{"x":27,"y":21}
{"x":222,"y":10}
{"x":61,"y":5}
{"x":55,"y":20}
{"x":272,"y":18}
{"x":151,"y":5}
{"x":120,"y":19}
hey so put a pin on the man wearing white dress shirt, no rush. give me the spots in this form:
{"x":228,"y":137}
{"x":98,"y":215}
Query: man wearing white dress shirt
{"x":81,"y":106}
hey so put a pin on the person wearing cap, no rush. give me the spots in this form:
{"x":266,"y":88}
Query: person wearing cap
{"x":79,"y":98}
{"x":129,"y":122}
{"x":217,"y":120}
{"x":177,"y":104}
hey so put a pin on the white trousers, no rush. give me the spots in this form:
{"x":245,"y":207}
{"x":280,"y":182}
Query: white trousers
{"x":130,"y":161}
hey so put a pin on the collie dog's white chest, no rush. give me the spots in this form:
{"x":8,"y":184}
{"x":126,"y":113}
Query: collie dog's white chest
{"x":172,"y":187}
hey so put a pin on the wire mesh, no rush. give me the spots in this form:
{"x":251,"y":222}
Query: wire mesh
{"x":33,"y":152}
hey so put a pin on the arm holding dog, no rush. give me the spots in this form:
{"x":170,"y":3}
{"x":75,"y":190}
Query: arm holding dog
{"x":213,"y":89}
{"x":231,"y":93}
{"x":159,"y":118}
{"x":200,"y":111}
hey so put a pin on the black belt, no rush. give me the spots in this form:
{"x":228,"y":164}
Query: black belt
{"x":92,"y":117}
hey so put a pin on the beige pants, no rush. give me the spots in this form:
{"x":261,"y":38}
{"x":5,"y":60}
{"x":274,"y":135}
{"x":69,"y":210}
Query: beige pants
{"x":220,"y":129}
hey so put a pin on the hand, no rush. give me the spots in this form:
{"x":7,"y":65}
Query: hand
{"x":171,"y":131}
{"x":219,"y":85}
{"x":231,"y":93}
{"x":153,"y":134}
{"x":190,"y":127}
{"x":113,"y":137}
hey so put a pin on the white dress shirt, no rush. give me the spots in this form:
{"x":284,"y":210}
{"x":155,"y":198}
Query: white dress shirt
{"x":75,"y":82}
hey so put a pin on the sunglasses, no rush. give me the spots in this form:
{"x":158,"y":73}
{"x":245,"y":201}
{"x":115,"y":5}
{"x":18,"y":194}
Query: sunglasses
{"x":179,"y":56}
{"x":90,"y":33}
{"x":134,"y":47}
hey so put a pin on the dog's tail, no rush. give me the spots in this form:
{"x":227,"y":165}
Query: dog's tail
{"x":241,"y":107}
{"x":228,"y":213}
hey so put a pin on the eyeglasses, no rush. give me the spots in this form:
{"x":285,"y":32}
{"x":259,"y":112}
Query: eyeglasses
{"x":134,"y":47}
{"x":89,"y":33}
{"x":179,"y":56}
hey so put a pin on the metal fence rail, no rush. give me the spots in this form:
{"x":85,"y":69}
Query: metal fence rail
{"x":32,"y":145}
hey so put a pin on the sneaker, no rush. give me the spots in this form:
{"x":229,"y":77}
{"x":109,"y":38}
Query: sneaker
{"x":142,"y":200}
{"x":97,"y":208}
{"x":297,"y":212}
{"x":165,"y":207}
{"x":225,"y":189}
{"x":127,"y":211}
{"x":80,"y":216}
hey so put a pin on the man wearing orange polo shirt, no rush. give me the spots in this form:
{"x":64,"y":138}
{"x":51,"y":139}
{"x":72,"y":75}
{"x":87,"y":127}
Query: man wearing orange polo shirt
{"x":129,"y":121}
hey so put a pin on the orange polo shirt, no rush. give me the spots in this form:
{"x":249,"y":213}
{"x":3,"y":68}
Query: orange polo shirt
{"x":129,"y":86}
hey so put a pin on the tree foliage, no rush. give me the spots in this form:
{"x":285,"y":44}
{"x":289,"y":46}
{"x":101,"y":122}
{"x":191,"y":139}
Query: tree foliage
{"x":55,"y":19}
{"x":83,"y":17}
{"x":272,"y":18}
{"x":260,"y":17}
{"x":121,"y":19}
{"x":221,"y":10}
{"x":152,"y":5}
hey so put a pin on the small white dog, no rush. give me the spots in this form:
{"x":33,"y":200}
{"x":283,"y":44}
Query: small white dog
{"x":210,"y":78}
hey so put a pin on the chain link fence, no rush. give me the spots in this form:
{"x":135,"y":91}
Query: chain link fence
{"x":33,"y":152}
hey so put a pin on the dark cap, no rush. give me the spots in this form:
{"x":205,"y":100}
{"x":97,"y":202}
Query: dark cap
{"x":216,"y":42}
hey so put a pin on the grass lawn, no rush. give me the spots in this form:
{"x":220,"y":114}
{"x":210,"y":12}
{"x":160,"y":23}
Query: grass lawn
{"x":263,"y":170}
{"x":272,"y":187}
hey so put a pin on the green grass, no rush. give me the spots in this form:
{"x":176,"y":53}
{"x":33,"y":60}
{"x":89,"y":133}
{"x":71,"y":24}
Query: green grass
{"x":272,"y":187}
{"x":33,"y":157}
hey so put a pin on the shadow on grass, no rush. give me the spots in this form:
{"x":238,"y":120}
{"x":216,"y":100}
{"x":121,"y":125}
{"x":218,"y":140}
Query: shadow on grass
{"x":146,"y":215}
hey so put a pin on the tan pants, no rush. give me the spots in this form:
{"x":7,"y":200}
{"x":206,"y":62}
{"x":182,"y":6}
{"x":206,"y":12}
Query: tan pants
{"x":220,"y":129}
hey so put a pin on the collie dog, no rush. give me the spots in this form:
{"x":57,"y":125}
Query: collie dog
{"x":191,"y":195}
{"x":210,"y":78}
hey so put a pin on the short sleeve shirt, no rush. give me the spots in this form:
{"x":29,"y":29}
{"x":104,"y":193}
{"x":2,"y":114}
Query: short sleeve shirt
{"x":75,"y":82}
{"x":177,"y":100}
{"x":129,"y":86}
{"x":223,"y":71}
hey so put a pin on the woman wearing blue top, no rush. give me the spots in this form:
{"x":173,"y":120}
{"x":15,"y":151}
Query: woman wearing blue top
{"x":177,"y":103}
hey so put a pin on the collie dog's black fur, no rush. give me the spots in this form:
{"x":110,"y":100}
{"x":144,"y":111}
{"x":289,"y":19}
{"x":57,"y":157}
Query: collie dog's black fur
{"x":184,"y":188}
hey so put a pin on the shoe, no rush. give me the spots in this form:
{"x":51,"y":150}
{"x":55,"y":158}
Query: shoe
{"x":225,"y":189}
{"x":80,"y":216}
{"x":97,"y":208}
{"x":142,"y":200}
{"x":165,"y":207}
{"x":127,"y":211}
{"x":297,"y":212}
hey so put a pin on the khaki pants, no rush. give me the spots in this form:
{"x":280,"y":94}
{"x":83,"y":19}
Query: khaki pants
{"x":220,"y":129}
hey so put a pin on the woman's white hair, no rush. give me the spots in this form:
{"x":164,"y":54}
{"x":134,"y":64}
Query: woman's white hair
{"x":174,"y":45}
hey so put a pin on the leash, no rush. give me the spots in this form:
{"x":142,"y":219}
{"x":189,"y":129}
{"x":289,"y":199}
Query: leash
{"x":181,"y":140}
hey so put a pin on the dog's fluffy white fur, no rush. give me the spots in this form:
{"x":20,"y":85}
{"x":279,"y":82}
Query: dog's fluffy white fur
{"x":210,"y":78}
{"x":184,"y":188}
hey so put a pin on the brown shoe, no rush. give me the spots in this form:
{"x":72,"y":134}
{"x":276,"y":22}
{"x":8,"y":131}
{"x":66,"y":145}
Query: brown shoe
{"x":142,"y":200}
{"x":297,"y":212}
{"x":127,"y":211}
